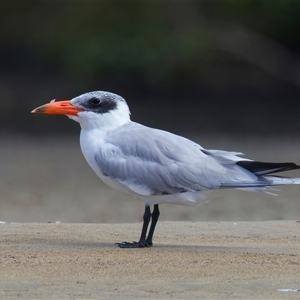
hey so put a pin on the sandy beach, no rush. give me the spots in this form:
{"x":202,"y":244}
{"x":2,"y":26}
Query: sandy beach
{"x":189,"y":260}
{"x":203,"y":252}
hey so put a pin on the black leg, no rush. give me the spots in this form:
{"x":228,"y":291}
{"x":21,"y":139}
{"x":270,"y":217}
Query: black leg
{"x":144,"y":242}
{"x":155,"y":216}
{"x":146,"y":218}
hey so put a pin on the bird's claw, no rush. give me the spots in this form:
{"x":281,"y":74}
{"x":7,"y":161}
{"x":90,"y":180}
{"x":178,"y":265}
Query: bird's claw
{"x":139,"y":244}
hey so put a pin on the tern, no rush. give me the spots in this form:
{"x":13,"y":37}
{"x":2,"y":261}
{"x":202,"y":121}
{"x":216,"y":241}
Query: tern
{"x":157,"y":166}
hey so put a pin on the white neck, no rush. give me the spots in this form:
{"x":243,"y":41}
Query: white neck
{"x":103,"y":122}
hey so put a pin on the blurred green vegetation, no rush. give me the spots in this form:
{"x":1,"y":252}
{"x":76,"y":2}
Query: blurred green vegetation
{"x":147,"y":41}
{"x":219,"y":57}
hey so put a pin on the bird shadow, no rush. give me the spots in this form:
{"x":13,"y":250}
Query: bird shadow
{"x":114,"y":246}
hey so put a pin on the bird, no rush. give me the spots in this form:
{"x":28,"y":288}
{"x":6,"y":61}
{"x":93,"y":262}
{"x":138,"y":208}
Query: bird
{"x":157,"y":166}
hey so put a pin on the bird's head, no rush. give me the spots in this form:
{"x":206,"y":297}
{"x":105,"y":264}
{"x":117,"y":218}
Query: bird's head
{"x":93,"y":109}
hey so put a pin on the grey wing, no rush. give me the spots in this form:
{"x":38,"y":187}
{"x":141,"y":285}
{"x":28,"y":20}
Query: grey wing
{"x":154,"y":162}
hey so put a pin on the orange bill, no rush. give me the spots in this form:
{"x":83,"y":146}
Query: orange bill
{"x":58,"y":108}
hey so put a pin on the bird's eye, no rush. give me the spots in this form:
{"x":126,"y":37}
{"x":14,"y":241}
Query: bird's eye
{"x":95,"y":101}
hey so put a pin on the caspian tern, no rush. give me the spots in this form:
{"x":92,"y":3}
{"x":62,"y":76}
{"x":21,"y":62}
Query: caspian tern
{"x":157,"y":166}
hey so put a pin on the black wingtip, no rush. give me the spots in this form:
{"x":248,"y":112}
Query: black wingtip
{"x":264,"y":168}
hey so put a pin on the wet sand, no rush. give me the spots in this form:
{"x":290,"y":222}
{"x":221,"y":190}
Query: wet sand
{"x":189,"y":260}
{"x":47,"y":179}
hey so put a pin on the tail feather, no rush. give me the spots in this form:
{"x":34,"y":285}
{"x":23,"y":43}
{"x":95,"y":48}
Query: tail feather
{"x":280,"y":180}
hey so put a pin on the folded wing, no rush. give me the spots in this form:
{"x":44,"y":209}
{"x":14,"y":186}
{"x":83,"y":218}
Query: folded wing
{"x":154,"y":162}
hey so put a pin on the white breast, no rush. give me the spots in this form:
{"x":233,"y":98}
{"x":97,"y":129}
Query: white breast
{"x":91,"y":141}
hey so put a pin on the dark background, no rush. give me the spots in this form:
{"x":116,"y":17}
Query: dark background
{"x":196,"y":66}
